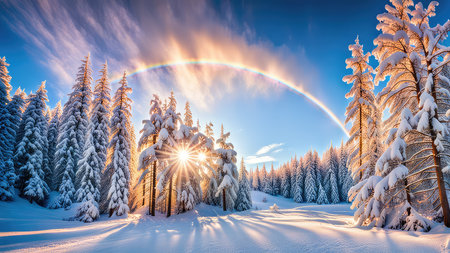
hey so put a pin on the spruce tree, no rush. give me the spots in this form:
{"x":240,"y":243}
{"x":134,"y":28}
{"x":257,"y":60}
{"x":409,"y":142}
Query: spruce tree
{"x":269,"y":182}
{"x":299,"y":187}
{"x":311,"y":189}
{"x":95,"y":153}
{"x":99,"y":130}
{"x":244,"y":199}
{"x":343,"y":173}
{"x":228,"y":186}
{"x":294,"y":174}
{"x":322,"y":196}
{"x":255,"y":181}
{"x":359,"y":109}
{"x":73,"y":129}
{"x":334,"y":192}
{"x":262,"y":178}
{"x":7,"y":175}
{"x":188,"y":116}
{"x":30,"y":151}
{"x":52,"y":137}
{"x":89,"y":172}
{"x":119,"y":152}
{"x":330,"y":182}
{"x":149,"y":133}
{"x":286,"y":182}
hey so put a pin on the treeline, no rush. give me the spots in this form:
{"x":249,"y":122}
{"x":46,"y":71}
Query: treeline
{"x":309,"y":179}
{"x":400,"y":162}
{"x":87,"y":152}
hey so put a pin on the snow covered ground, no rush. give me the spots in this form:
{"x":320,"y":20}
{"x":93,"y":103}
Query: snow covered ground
{"x":293,"y":228}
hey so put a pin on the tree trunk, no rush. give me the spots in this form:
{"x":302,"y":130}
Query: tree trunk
{"x":169,"y":204}
{"x":150,"y":203}
{"x":143,"y":192}
{"x":360,"y":137}
{"x":154,"y":182}
{"x":440,"y":181}
{"x":224,"y":200}
{"x":437,"y":159}
{"x":408,"y":198}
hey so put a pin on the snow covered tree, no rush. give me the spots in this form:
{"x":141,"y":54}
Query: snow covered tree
{"x":119,"y":153}
{"x":209,"y":131}
{"x":89,"y":172}
{"x":30,"y":152}
{"x":311,"y":184}
{"x":95,"y":152}
{"x":99,"y":129}
{"x":172,"y":101}
{"x":174,"y":150}
{"x":345,"y":179}
{"x":244,"y":198}
{"x":228,"y":172}
{"x":188,"y":115}
{"x":262,"y":178}
{"x":299,"y":187}
{"x":334,"y":192}
{"x":7,"y":174}
{"x":429,"y":120}
{"x":72,"y":133}
{"x":410,"y":53}
{"x":52,"y":137}
{"x":151,"y":129}
{"x":294,"y":173}
{"x":255,"y":181}
{"x":211,"y":181}
{"x":164,"y":147}
{"x":100,"y":115}
{"x":212,"y":177}
{"x":133,"y":199}
{"x":359,"y":109}
{"x":331,"y":164}
{"x":277,"y":183}
{"x":286,"y":182}
{"x":322,"y":196}
{"x":190,"y":171}
{"x":269,"y":182}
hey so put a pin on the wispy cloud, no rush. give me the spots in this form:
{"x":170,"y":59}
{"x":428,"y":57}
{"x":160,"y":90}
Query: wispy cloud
{"x":259,"y":159}
{"x":132,"y":36}
{"x":262,"y":156}
{"x":277,"y":150}
{"x":268,"y":148}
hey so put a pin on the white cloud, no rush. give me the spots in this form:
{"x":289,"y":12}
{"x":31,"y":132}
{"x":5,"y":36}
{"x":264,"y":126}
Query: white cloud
{"x":268,"y":148}
{"x":259,"y":159}
{"x":277,"y":151}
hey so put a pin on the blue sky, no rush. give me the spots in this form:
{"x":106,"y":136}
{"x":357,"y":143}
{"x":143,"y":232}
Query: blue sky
{"x":304,"y":42}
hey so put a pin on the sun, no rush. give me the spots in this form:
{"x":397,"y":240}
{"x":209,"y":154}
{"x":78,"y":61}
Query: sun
{"x":183,"y":155}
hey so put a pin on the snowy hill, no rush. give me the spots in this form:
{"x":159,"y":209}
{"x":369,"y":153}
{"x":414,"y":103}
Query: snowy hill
{"x":293,"y":228}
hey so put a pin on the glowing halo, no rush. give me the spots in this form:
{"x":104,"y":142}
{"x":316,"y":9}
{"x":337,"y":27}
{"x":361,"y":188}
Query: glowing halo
{"x":291,"y":86}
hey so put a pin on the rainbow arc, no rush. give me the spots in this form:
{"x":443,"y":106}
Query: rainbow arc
{"x":269,"y":76}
